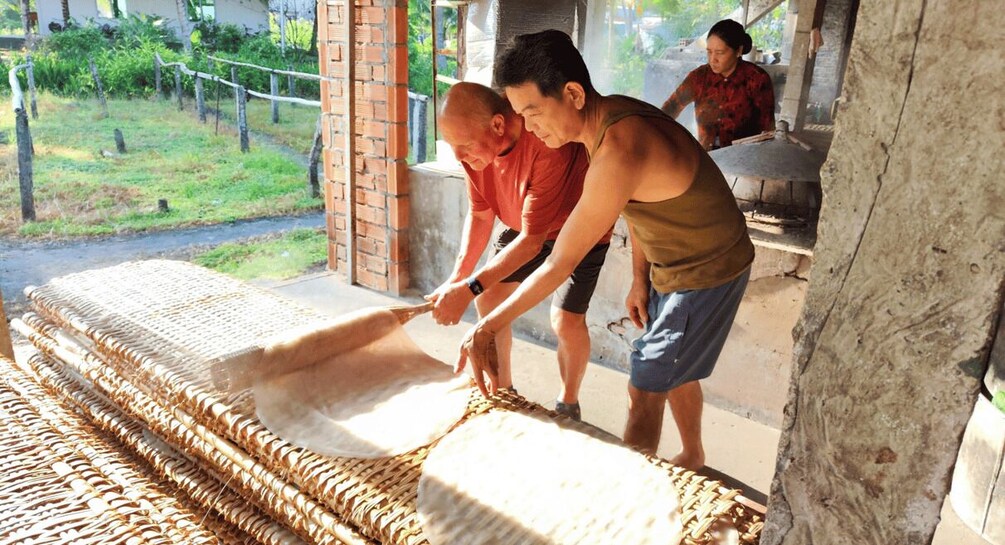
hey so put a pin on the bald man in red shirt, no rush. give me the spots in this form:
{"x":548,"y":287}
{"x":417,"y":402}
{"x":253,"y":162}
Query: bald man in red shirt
{"x":531,"y":188}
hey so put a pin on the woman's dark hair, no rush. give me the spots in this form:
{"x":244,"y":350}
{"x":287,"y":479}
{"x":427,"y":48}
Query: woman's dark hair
{"x":733,"y":34}
{"x":546,"y":58}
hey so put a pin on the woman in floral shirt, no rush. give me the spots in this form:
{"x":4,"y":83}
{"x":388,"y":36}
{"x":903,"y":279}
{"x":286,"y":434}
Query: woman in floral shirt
{"x":732,"y":98}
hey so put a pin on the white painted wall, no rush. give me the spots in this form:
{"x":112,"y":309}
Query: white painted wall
{"x":252,"y":15}
{"x":50,"y":10}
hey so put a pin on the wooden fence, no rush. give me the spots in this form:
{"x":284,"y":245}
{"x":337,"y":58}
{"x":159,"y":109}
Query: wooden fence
{"x":417,"y":114}
{"x":25,"y":149}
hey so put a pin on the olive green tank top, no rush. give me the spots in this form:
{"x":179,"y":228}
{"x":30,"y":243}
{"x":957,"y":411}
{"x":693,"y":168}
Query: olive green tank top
{"x":696,"y":240}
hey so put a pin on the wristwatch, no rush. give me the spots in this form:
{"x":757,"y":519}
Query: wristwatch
{"x":475,"y":286}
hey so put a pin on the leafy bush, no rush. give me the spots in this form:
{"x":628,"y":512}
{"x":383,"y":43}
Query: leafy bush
{"x":77,"y":42}
{"x":210,"y":37}
{"x":143,"y":30}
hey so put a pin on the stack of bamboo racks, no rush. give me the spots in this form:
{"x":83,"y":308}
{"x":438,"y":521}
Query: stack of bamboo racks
{"x":124,"y":352}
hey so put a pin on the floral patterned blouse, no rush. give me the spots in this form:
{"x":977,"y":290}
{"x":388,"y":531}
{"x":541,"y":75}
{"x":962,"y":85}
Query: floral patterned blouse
{"x":726,"y":108}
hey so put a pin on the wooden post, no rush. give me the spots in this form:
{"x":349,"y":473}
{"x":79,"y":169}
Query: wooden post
{"x":209,"y":65}
{"x":31,"y":87}
{"x":158,"y":89}
{"x":200,"y":99}
{"x":274,"y":91}
{"x":312,"y":163}
{"x":24,"y":166}
{"x":120,"y":142}
{"x":233,"y":75}
{"x":242,"y":117}
{"x":177,"y":87}
{"x":419,"y":128}
{"x":291,"y":82}
{"x":98,"y":87}
{"x":6,"y":346}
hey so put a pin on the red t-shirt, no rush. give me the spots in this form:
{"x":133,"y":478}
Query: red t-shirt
{"x":533,"y":188}
{"x":731,"y":108}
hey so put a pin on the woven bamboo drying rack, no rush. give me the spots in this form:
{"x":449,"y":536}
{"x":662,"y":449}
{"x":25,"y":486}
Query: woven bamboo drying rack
{"x":143,"y":335}
{"x":62,"y":480}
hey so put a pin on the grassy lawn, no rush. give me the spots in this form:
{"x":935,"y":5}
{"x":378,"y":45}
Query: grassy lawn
{"x":83,"y":188}
{"x":293,"y":254}
{"x":296,"y":122}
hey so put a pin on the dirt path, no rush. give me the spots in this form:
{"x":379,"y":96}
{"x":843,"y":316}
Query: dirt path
{"x":34,"y":263}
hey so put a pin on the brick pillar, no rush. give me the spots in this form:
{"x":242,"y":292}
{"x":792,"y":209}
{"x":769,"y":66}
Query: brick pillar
{"x":379,"y":200}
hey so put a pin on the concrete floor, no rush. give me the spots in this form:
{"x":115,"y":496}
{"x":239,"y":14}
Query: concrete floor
{"x":741,"y":449}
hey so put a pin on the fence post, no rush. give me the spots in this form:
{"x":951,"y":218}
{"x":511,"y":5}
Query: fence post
{"x":100,"y":89}
{"x":291,"y":81}
{"x":274,"y":91}
{"x":31,"y":87}
{"x":200,"y":99}
{"x":177,"y":86}
{"x":312,"y":163}
{"x":233,"y":75}
{"x":6,"y":347}
{"x":24,"y":167}
{"x":242,"y":117}
{"x":419,"y":128}
{"x":120,"y":142}
{"x":157,"y":78}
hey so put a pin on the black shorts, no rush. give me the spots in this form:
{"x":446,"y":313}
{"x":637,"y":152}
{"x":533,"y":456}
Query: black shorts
{"x":575,"y":293}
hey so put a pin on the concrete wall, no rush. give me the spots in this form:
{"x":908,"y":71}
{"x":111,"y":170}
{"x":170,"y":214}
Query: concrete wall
{"x":491,"y":24}
{"x":753,"y":371}
{"x":252,"y":15}
{"x":51,"y":11}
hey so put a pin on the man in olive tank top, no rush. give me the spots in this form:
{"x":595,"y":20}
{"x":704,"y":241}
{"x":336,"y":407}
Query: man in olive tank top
{"x":691,"y":252}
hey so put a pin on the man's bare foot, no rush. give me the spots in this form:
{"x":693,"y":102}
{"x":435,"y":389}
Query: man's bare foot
{"x":688,"y":460}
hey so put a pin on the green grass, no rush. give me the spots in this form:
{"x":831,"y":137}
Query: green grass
{"x":293,"y":254}
{"x":81,"y":190}
{"x":296,"y":122}
{"x":999,"y":400}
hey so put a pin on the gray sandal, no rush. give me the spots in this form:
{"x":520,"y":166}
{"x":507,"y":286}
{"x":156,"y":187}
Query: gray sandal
{"x":569,"y":409}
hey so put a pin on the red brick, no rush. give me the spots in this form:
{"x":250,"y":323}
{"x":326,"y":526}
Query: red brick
{"x":374,"y":54}
{"x":376,"y":264}
{"x":397,"y":178}
{"x":364,"y":109}
{"x":334,"y":53}
{"x":375,"y":165}
{"x":335,"y":14}
{"x":370,"y":16}
{"x":376,"y":92}
{"x":371,"y":198}
{"x":323,"y":58}
{"x":380,"y":183}
{"x":398,"y":104}
{"x":371,"y":280}
{"x":397,"y":141}
{"x":332,"y":259}
{"x":397,"y":25}
{"x":380,"y":111}
{"x":399,"y":64}
{"x":398,"y":245}
{"x":329,"y":157}
{"x":364,"y":72}
{"x":365,"y":181}
{"x":330,"y":226}
{"x":398,"y":278}
{"x":375,"y":129}
{"x":398,"y":212}
{"x":326,"y":127}
{"x":337,"y":191}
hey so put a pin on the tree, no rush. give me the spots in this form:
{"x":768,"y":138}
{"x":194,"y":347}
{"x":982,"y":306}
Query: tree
{"x":186,"y":39}
{"x":65,"y":4}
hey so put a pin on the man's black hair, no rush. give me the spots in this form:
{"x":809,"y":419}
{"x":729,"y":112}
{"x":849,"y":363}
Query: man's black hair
{"x":548,"y":59}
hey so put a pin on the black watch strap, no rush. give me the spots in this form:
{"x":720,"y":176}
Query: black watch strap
{"x":475,"y":286}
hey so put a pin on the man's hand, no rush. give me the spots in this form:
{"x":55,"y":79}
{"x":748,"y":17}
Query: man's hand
{"x":637,"y":303}
{"x":479,"y":347}
{"x":450,"y":300}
